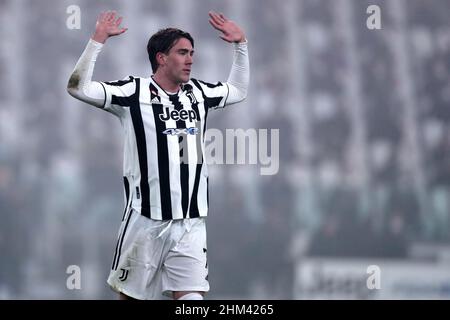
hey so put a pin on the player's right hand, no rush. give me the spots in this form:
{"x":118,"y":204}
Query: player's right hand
{"x":108,"y":25}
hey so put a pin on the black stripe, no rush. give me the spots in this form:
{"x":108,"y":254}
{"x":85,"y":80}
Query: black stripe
{"x":193,"y":211}
{"x":120,"y":243}
{"x":197,"y":124}
{"x":120,"y":83}
{"x":181,"y":124}
{"x":184,"y":172}
{"x":139,"y":131}
{"x":154,"y":93}
{"x":163,"y":163}
{"x":127,"y":195}
{"x":228,"y":93}
{"x":122,"y":101}
{"x":115,"y":253}
{"x":211,"y":85}
{"x":204,"y":122}
{"x":197,"y":84}
{"x":104,"y":90}
{"x":194,"y":81}
{"x":210,"y":102}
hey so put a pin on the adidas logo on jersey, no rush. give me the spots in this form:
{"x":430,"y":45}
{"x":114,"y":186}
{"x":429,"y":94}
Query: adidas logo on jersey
{"x":176,"y":115}
{"x":155,"y":100}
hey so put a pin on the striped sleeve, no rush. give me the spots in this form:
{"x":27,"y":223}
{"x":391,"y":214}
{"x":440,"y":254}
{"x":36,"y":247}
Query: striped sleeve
{"x":118,"y":94}
{"x":215,"y":94}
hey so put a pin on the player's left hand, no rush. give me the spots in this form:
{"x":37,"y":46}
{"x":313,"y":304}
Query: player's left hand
{"x":231,"y":32}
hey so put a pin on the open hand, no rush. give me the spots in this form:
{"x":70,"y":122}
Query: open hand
{"x":107,"y":26}
{"x":231,"y":32}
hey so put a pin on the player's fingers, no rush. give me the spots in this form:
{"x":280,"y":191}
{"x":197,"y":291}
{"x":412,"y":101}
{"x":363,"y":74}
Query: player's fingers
{"x":118,"y":21}
{"x":224,"y":19}
{"x":215,"y":18}
{"x":107,"y":16}
{"x":215,"y":25}
{"x":101,"y":16}
{"x":219,"y":18}
{"x":111,"y":16}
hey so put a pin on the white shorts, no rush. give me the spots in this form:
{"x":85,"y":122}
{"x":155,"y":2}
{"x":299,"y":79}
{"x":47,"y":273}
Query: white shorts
{"x":154,"y":258}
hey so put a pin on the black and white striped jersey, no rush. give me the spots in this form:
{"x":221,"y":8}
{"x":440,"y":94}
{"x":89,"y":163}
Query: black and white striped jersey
{"x":165,"y":174}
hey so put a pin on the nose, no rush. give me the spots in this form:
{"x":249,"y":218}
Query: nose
{"x":189,"y":60}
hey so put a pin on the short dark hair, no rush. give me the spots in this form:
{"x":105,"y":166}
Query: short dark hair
{"x":163,"y":41}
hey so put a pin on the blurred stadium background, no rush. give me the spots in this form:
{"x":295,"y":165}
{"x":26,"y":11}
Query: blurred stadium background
{"x":364,"y":173}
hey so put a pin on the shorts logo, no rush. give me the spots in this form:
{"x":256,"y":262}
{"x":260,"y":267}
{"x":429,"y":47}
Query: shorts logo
{"x":124,"y":274}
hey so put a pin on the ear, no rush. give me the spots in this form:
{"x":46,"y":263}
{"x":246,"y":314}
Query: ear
{"x":160,"y":58}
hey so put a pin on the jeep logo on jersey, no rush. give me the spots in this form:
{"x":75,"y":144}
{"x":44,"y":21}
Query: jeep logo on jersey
{"x":178,"y":115}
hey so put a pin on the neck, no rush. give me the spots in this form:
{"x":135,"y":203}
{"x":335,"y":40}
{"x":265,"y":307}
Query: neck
{"x":165,"y":83}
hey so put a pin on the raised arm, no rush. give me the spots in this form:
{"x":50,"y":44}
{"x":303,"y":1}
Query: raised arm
{"x":239,"y":77}
{"x":80,"y":85}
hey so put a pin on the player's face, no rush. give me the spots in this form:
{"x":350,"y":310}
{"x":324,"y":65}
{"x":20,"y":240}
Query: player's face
{"x":178,"y":61}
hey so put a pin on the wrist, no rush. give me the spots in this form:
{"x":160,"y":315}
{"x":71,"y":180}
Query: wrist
{"x":100,"y":38}
{"x":241,"y":40}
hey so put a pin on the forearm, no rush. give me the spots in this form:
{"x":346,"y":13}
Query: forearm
{"x":80,"y":84}
{"x":239,"y":77}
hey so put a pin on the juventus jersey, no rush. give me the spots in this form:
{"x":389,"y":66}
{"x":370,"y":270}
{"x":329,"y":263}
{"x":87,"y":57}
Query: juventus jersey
{"x":165,"y":175}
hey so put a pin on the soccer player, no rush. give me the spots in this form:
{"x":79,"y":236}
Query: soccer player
{"x":161,"y":247}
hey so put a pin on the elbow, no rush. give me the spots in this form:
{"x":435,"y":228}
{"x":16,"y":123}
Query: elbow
{"x":71,"y":91}
{"x":237,"y":93}
{"x":73,"y":86}
{"x":242,"y":96}
{"x":74,"y":92}
{"x":243,"y":92}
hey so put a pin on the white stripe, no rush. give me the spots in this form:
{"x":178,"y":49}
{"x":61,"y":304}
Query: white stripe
{"x":131,"y":167}
{"x":152,"y":150}
{"x":202,"y":191}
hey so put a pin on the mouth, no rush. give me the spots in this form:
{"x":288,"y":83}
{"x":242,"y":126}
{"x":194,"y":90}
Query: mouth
{"x":187,"y":70}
